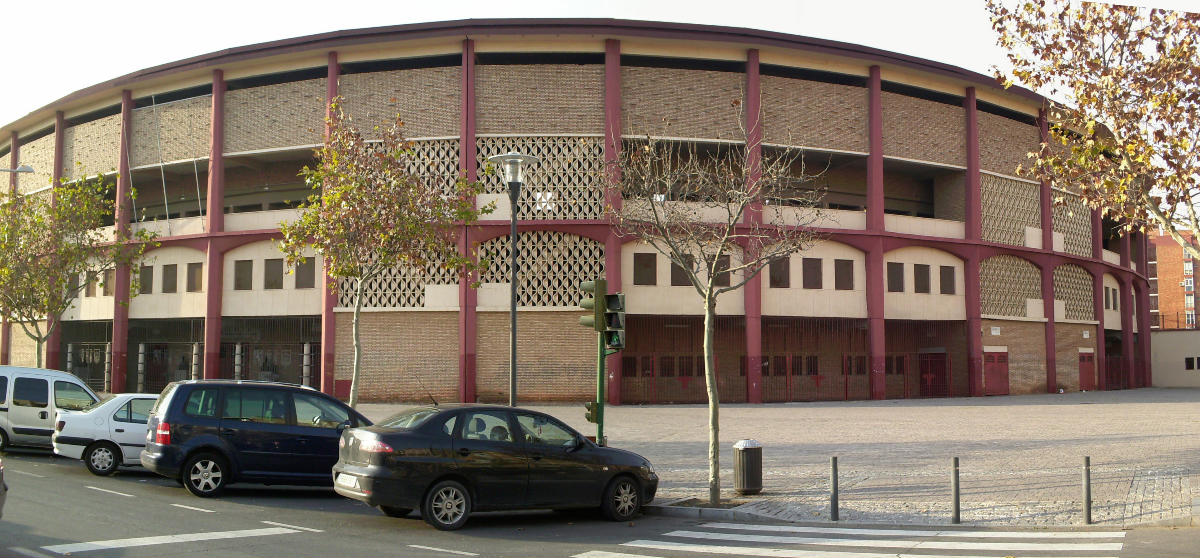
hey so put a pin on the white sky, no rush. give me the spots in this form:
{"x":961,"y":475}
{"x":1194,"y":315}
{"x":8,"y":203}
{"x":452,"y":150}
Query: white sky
{"x":60,"y":46}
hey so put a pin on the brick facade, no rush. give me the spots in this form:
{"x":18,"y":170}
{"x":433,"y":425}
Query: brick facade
{"x":38,"y":154}
{"x":92,"y":147}
{"x":428,"y":98}
{"x":271,"y":116}
{"x":1005,"y":143}
{"x":556,"y":357}
{"x":406,"y":355}
{"x":923,"y":130}
{"x":1170,"y":279}
{"x":1068,"y":340}
{"x":181,"y":128}
{"x":813,"y":113}
{"x":696,"y":104}
{"x":569,"y":99}
{"x":1026,"y":342}
{"x":23,"y":349}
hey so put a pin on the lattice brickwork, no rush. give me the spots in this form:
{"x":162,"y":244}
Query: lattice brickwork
{"x":568,"y":183}
{"x":182,"y":128}
{"x":427,"y":99}
{"x":436,"y":160}
{"x":399,"y":287}
{"x":552,"y":264}
{"x":1073,"y":286}
{"x":38,"y":154}
{"x":1008,"y":207}
{"x":1073,"y":219}
{"x":94,"y":145}
{"x":272,"y":116}
{"x":814,"y":114}
{"x":1005,"y":282}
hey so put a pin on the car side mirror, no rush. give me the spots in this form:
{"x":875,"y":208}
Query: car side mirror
{"x":576,"y":445}
{"x":343,"y":425}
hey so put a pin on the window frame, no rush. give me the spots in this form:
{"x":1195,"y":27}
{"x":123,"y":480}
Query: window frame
{"x":306,"y":274}
{"x":243,"y":275}
{"x":146,"y":280}
{"x":812,"y":270}
{"x":272,"y":277}
{"x":195,"y":270}
{"x":779,"y":272}
{"x":643,"y":275}
{"x":922,"y":282}
{"x":843,"y":275}
{"x":947,"y":272}
{"x":170,"y":286}
{"x":895,"y":277}
{"x":22,"y":402}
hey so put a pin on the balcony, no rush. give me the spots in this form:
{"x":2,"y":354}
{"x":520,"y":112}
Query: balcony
{"x":924,"y":226}
{"x":172,"y":227}
{"x":259,"y":220}
{"x":1111,"y":257}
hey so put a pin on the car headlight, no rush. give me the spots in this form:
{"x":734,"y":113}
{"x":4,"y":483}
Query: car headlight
{"x":647,"y":468}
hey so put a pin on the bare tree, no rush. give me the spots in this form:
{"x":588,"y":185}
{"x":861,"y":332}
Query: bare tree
{"x":721,"y":213}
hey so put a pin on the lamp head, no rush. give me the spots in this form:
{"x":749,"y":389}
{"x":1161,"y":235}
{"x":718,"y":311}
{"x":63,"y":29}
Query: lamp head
{"x":512,"y":165}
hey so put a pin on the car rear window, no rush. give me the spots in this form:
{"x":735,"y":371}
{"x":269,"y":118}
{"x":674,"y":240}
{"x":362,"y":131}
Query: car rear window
{"x":163,"y":397}
{"x":410,"y":419}
{"x":68,"y":395}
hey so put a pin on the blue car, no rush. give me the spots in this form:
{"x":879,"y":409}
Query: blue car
{"x":210,"y":433}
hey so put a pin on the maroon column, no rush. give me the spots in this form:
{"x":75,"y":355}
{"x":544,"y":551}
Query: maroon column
{"x":1125,"y":251}
{"x":468,"y":320}
{"x":214,"y":256}
{"x":1098,"y":310}
{"x":752,"y":290}
{"x":1046,"y":198}
{"x":54,"y":342}
{"x":120,"y":334}
{"x":1127,"y":349}
{"x":1051,"y":340}
{"x":875,"y":157}
{"x":1143,"y":342}
{"x":974,"y":214}
{"x":612,"y":196}
{"x":328,"y":294}
{"x":974,"y":325}
{"x":1097,"y":235}
{"x":876,"y":321}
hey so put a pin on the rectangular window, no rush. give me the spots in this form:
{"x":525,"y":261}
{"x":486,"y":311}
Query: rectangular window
{"x":195,"y":277}
{"x":110,"y":281}
{"x":71,"y":396}
{"x":306,"y":274}
{"x":1190,"y":318}
{"x":812,"y":273}
{"x":1152,"y":270}
{"x":679,"y":275}
{"x":722,"y":278}
{"x":90,"y":288}
{"x":948,"y":286}
{"x":273,"y":274}
{"x":1187,"y":268}
{"x":781,"y":273}
{"x":266,"y":406}
{"x":1188,"y":283}
{"x":921,"y":278}
{"x":170,"y":282}
{"x":1154,"y":303}
{"x":31,"y":392}
{"x":202,"y":402}
{"x":1115,"y":299}
{"x":843,"y":275}
{"x":243,"y":275}
{"x":1107,"y":299}
{"x":3,"y":389}
{"x":895,"y":277}
{"x":1189,"y":301}
{"x":1189,"y":363}
{"x":146,"y":280}
{"x":645,"y":269}
{"x":1153,"y":286}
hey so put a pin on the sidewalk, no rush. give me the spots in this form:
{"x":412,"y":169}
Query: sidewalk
{"x":1020,"y":456}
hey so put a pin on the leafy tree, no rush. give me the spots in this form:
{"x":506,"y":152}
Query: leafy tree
{"x":1125,"y":139}
{"x":691,"y":201}
{"x":372,"y":211}
{"x":48,"y":241}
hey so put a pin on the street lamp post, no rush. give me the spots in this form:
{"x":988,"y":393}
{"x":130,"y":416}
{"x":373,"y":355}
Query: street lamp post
{"x":22,"y":168}
{"x":512,"y":165}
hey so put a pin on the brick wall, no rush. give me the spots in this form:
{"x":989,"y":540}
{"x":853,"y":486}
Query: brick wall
{"x":94,"y":145}
{"x":949,"y":201}
{"x":38,"y":154}
{"x":1169,"y":271}
{"x":182,"y":128}
{"x":814,"y":114}
{"x":556,"y":357}
{"x":540,"y":99}
{"x":405,"y":355}
{"x":23,"y":349}
{"x":1004,"y":143}
{"x":1026,"y":343}
{"x":281,"y":115}
{"x":427,"y":99}
{"x":1068,"y":339}
{"x":923,"y":130}
{"x":681,"y":103}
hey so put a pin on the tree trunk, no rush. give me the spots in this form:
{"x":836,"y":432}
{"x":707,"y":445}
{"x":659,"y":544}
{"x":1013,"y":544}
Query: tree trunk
{"x":40,"y":343}
{"x":358,"y":294}
{"x":710,"y":380}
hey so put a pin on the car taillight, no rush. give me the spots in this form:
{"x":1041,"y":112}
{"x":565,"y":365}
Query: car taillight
{"x":58,"y":426}
{"x":162,"y":434}
{"x":375,"y":446}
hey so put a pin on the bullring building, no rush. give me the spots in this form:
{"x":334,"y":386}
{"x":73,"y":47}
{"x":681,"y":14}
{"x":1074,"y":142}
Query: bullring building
{"x":940,"y":272}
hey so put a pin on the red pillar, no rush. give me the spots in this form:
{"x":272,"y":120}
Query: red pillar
{"x":974,"y":325}
{"x":875,"y":157}
{"x":612,"y":196}
{"x":752,"y":290}
{"x":1098,"y":309}
{"x":1048,"y":269}
{"x":1143,"y":341}
{"x":468,"y":320}
{"x":1097,"y":235}
{"x":328,"y":296}
{"x":54,"y":342}
{"x":214,"y":256}
{"x":120,"y":334}
{"x":876,"y":322}
{"x":973,"y":223}
{"x":1127,"y":349}
{"x":974,"y":210}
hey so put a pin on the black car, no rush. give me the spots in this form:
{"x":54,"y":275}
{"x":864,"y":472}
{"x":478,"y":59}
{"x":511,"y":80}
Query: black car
{"x":452,"y":460}
{"x":210,"y":433}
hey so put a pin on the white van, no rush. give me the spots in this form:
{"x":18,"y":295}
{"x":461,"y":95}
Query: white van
{"x":29,"y":397}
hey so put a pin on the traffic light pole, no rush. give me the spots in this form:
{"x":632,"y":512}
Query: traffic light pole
{"x":601,"y":354}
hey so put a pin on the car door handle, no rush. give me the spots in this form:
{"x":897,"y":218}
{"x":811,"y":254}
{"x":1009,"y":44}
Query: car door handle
{"x":120,"y":430}
{"x":228,"y":432}
{"x":42,"y":415}
{"x":537,"y":456}
{"x":464,"y":451}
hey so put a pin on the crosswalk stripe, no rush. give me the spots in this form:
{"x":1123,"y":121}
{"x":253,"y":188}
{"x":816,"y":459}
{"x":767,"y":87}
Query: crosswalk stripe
{"x":606,"y":554}
{"x":911,"y":544}
{"x":781,"y":552}
{"x":914,"y":533}
{"x":165,"y":539}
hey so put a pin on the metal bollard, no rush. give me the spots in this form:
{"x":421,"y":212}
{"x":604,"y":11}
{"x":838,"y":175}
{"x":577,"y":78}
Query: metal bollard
{"x":1087,"y":490}
{"x":954,"y":512}
{"x":833,"y":489}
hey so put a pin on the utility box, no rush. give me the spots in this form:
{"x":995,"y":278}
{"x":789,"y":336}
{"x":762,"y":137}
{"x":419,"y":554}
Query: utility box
{"x":747,"y":467}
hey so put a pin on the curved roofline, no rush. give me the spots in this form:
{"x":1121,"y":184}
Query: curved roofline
{"x":530,"y":26}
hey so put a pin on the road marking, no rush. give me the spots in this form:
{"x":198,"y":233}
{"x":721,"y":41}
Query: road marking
{"x":911,"y":544}
{"x":436,"y":549}
{"x":112,"y":492}
{"x":912,"y":533}
{"x":774,"y":552}
{"x":606,"y":554}
{"x":27,"y":473}
{"x":27,"y":552}
{"x":165,"y":539}
{"x":297,"y":527}
{"x":193,"y":509}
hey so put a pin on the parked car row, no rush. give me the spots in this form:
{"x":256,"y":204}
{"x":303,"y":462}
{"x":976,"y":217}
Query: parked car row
{"x":447,"y":461}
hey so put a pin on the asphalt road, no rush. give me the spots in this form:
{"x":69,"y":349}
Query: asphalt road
{"x":56,"y":508}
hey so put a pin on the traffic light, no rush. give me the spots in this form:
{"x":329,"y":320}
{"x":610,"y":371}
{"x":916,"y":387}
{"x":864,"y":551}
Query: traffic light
{"x":593,"y":411}
{"x":614,"y":321}
{"x":594,"y":299}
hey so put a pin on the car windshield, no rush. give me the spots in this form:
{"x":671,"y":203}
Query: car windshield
{"x":103,"y":399}
{"x":410,"y":419}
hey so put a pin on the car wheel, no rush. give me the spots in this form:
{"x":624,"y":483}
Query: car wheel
{"x":622,"y":499}
{"x":392,"y":511}
{"x":206,"y":475}
{"x":447,"y":505}
{"x":102,"y":458}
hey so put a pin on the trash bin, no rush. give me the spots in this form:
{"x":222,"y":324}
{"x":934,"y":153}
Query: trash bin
{"x":747,"y":467}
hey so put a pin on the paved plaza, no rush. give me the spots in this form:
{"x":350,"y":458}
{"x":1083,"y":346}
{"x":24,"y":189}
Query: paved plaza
{"x":1020,"y":456}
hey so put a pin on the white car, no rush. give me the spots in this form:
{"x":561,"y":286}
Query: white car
{"x":107,"y":434}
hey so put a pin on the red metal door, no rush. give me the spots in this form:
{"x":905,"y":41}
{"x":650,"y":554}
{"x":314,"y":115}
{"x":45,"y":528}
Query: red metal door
{"x":1087,"y":371}
{"x":935,"y":374}
{"x":995,"y":373}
